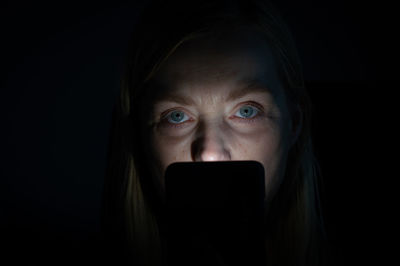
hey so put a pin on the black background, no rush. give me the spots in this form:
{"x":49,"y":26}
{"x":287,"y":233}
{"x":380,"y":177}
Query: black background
{"x":61,"y":65}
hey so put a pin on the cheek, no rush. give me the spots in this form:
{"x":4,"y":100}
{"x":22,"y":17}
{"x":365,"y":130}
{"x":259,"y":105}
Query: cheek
{"x":269,"y":148}
{"x":168,"y":150}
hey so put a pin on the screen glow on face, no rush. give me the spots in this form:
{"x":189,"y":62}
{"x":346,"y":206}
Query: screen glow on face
{"x":244,"y":103}
{"x":218,"y":102}
{"x":253,"y":110}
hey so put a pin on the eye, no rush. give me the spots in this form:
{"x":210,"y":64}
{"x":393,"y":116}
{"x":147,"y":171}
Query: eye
{"x":176,"y":117}
{"x":247,"y":112}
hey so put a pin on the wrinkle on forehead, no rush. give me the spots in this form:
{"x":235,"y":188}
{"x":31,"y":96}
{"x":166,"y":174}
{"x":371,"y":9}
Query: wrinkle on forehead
{"x":219,"y":58}
{"x":206,"y":66}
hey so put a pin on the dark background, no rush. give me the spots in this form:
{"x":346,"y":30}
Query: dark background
{"x":61,"y":65}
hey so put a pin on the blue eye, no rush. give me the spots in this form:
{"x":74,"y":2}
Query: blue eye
{"x":247,"y":111}
{"x":176,"y":117}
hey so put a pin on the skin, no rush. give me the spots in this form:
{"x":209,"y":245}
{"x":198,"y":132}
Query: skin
{"x":211,"y":128}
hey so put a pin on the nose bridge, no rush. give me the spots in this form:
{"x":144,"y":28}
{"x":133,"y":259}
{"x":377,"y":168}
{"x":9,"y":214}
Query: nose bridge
{"x":210,"y":144}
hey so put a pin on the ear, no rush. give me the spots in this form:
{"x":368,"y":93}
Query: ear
{"x":296,"y":124}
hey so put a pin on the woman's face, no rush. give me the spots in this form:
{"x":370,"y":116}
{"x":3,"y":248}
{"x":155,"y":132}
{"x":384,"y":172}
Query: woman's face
{"x":219,"y":101}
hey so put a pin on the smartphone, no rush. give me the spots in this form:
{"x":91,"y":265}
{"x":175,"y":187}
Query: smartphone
{"x":214,"y":213}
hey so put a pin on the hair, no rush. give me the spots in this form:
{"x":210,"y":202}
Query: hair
{"x":295,"y":230}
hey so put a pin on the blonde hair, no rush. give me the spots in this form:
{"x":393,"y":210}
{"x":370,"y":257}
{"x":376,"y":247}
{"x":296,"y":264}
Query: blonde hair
{"x":296,"y":231}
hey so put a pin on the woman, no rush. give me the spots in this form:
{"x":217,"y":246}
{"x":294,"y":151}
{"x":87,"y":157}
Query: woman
{"x":213,"y":81}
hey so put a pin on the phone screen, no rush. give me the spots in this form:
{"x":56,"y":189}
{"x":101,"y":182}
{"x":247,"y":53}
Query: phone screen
{"x":215,"y":213}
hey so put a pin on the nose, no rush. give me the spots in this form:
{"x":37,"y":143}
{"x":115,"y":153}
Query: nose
{"x":210,"y":145}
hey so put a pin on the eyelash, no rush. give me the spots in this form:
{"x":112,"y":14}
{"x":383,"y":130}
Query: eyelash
{"x":259,"y":113}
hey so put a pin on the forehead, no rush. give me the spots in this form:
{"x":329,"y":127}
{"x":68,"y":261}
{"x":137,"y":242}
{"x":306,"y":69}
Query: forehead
{"x":225,"y":61}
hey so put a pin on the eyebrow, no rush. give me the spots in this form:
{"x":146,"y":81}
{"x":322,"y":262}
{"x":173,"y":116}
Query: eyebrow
{"x":247,"y":86}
